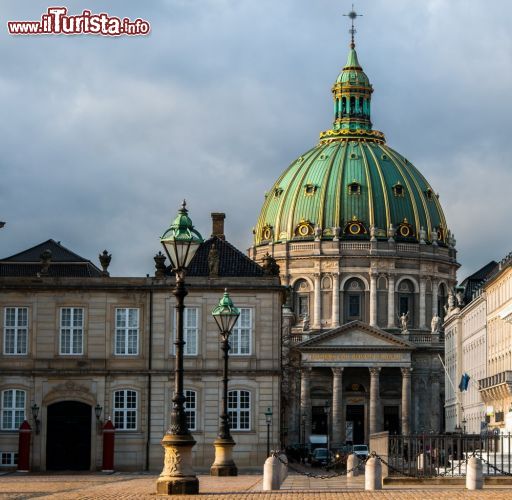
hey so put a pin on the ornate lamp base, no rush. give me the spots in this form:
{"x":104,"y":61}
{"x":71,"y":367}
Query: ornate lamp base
{"x":224,"y":464}
{"x":177,"y":477}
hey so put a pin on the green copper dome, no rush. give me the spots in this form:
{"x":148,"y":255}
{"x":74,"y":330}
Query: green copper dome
{"x":351,"y":185}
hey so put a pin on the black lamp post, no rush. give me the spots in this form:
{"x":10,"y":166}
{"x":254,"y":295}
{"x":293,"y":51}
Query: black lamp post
{"x":327,"y":409}
{"x":268,"y":420}
{"x":226,"y":316}
{"x":35,"y":413}
{"x":181,"y":242}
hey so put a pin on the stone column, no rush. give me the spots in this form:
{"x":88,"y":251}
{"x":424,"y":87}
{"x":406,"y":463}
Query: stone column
{"x":434,"y":403}
{"x":373,"y":299}
{"x":338,"y":422}
{"x":406,"y":401}
{"x":422,"y":323}
{"x":435,"y":286}
{"x":305,"y":402}
{"x":335,"y":321}
{"x":317,"y":308}
{"x":375,"y":417}
{"x":391,"y":301}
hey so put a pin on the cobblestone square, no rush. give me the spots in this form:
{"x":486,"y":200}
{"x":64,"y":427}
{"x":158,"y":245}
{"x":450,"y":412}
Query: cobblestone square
{"x":120,"y":486}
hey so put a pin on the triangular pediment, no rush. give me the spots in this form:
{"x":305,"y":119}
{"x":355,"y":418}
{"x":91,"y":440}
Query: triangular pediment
{"x":355,"y":335}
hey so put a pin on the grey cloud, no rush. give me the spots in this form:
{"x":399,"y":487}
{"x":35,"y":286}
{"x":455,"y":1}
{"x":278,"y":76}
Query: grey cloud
{"x":101,"y":138}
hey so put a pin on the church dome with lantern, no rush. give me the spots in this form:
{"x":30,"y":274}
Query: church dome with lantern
{"x":351,"y":185}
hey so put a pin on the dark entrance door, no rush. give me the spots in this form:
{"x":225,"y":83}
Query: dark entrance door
{"x":355,"y":414}
{"x":319,"y":420}
{"x":391,"y":420}
{"x":68,"y":441}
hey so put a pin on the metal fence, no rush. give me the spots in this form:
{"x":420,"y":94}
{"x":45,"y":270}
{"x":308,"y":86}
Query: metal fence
{"x":432,"y":455}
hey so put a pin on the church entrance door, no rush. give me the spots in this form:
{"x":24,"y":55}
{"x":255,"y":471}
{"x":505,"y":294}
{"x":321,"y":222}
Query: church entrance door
{"x":391,"y":419}
{"x":68,"y":440}
{"x":355,"y":414}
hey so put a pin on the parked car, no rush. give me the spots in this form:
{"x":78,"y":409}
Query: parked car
{"x":361,"y":450}
{"x":320,"y":457}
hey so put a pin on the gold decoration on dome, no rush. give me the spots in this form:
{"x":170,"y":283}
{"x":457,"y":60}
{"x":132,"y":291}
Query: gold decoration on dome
{"x":358,"y":134}
{"x":355,"y":227}
{"x":405,"y":230}
{"x":304,"y":228}
{"x":266,"y":232}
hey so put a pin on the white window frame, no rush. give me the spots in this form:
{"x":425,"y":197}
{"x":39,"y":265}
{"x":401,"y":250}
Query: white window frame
{"x":17,"y":331}
{"x":14,"y":412}
{"x":239,"y":332}
{"x":237,"y":412}
{"x":75,"y":330}
{"x":190,"y":406}
{"x":190,"y":331}
{"x":126,"y":331}
{"x":125,"y":411}
{"x":8,"y":458}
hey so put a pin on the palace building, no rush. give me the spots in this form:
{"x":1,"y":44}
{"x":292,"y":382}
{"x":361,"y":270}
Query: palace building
{"x":365,"y":249}
{"x":79,"y":346}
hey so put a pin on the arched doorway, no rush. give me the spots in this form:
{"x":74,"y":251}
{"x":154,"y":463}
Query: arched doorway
{"x":68,"y":440}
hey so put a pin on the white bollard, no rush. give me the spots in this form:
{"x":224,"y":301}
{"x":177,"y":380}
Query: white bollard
{"x":271,"y":474}
{"x":283,"y":469}
{"x":352,"y":463}
{"x":474,"y":474}
{"x":373,"y":474}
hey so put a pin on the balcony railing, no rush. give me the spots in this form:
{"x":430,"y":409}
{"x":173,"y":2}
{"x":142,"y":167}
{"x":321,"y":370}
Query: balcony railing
{"x":498,"y":379}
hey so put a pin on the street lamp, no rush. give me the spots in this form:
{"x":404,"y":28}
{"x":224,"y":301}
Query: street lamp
{"x":327,"y":407}
{"x":180,"y":243}
{"x":268,"y":420}
{"x":225,"y":315}
{"x":35,"y":413}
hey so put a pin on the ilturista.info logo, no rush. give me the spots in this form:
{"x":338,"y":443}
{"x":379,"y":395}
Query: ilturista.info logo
{"x":57,"y":21}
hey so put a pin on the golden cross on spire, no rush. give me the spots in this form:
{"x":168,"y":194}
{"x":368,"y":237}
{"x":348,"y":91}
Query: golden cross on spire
{"x":353,"y":15}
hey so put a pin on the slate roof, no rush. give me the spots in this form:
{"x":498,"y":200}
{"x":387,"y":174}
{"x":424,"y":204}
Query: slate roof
{"x":232,"y":262}
{"x":474,"y":282}
{"x":64,"y":263}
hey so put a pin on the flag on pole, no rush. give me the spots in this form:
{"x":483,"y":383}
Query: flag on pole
{"x":464,"y":382}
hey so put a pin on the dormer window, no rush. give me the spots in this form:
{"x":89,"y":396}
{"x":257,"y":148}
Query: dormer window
{"x":398,"y":190}
{"x":429,"y":193}
{"x":278,"y":192}
{"x":354,"y":188}
{"x":310,"y":189}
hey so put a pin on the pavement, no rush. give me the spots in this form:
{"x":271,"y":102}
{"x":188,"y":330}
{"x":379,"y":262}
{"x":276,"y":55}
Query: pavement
{"x":120,"y":486}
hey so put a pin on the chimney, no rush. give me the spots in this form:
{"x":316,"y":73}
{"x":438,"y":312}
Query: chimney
{"x":218,"y":225}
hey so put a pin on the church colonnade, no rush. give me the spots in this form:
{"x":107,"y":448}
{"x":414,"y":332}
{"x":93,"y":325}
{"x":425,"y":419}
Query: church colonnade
{"x":336,"y":427}
{"x":422,"y":297}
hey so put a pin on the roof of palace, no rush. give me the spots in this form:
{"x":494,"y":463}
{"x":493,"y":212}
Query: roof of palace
{"x":352,"y":180}
{"x":63,"y":262}
{"x":232,"y":262}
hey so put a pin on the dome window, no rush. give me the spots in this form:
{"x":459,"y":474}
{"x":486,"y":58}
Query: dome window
{"x":310,"y":189}
{"x":398,"y":190}
{"x":355,"y":227}
{"x":429,"y":193}
{"x":353,"y":156}
{"x":324,"y":157}
{"x":266,"y":232}
{"x":304,"y":229}
{"x":354,"y":188}
{"x":278,"y":192}
{"x":405,"y":230}
{"x":384,"y":157}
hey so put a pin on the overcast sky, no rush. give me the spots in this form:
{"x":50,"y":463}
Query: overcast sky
{"x":101,"y":138}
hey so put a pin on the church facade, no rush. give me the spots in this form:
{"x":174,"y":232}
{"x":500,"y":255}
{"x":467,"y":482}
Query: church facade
{"x":364,"y":247}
